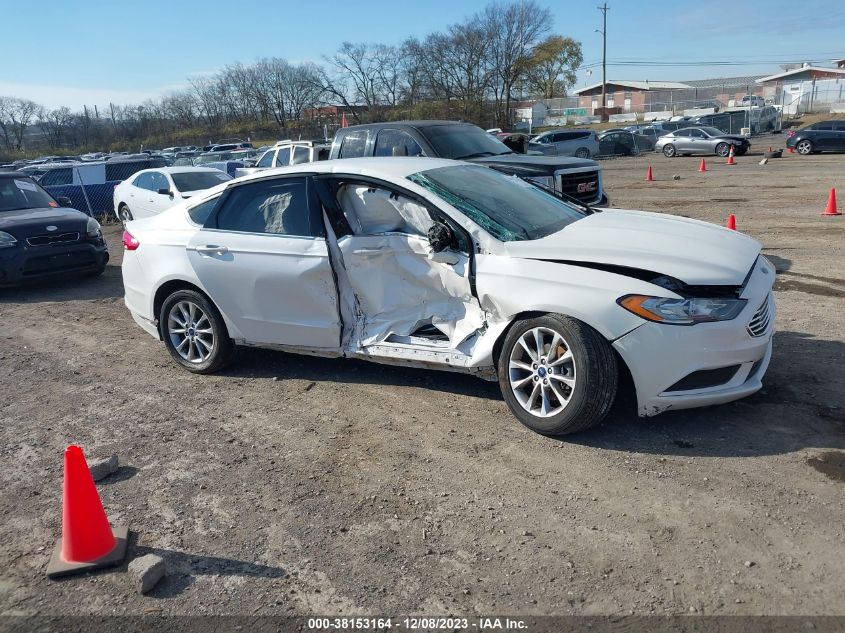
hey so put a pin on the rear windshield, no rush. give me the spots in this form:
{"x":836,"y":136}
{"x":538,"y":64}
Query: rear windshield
{"x":195,"y":181}
{"x":23,"y":193}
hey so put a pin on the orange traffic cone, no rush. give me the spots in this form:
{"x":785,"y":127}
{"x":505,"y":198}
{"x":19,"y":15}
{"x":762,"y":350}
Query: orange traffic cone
{"x":731,"y":222}
{"x":770,"y":148}
{"x":702,"y":166}
{"x":831,"y":209}
{"x":790,"y":150}
{"x":731,"y":160}
{"x":88,"y":542}
{"x":649,"y":175}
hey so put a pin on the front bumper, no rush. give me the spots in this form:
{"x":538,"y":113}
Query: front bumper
{"x":662,"y":358}
{"x":24,"y":264}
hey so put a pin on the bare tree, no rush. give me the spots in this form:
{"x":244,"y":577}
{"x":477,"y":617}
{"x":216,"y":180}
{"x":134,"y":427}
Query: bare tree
{"x":15,"y":116}
{"x":512,"y":32}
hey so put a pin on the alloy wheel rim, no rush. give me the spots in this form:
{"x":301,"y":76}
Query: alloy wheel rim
{"x":541,"y":372}
{"x":190,"y":331}
{"x":803,"y":147}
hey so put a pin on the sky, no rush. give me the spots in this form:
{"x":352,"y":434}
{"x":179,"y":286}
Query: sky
{"x":75,"y":52}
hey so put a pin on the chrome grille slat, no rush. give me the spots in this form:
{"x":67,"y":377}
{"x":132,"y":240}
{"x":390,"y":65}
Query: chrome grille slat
{"x":759,"y":324}
{"x":49,"y":240}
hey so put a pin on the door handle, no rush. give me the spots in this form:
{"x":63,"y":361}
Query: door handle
{"x":211,"y":249}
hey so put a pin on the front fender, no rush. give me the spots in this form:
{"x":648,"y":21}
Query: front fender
{"x":507,"y":286}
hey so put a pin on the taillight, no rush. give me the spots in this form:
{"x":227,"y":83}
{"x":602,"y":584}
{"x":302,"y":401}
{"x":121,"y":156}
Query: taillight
{"x":791,"y":133}
{"x":129,"y":242}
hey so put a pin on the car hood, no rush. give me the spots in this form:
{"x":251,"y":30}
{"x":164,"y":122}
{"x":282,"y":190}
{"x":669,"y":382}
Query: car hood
{"x":531,"y":166}
{"x":697,"y":253}
{"x":28,"y":222}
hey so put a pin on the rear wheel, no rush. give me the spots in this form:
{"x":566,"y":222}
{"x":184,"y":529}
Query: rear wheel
{"x":669,"y":150}
{"x":582,"y":152}
{"x":124,"y":214}
{"x":557,"y":375}
{"x":194,"y":332}
{"x":804,"y":147}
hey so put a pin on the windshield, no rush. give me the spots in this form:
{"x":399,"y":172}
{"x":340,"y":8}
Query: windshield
{"x":212,"y":158}
{"x":463,"y":141}
{"x":195,"y":181}
{"x":508,"y":208}
{"x":22,"y":193}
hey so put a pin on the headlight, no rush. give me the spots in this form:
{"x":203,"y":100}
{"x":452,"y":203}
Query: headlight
{"x":682,"y":311}
{"x":546,"y":181}
{"x":6,"y":240}
{"x":93,"y":228}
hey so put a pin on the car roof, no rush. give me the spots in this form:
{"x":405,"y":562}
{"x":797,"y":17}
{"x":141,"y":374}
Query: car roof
{"x":412,"y":124}
{"x":178,"y":169}
{"x":388,"y":166}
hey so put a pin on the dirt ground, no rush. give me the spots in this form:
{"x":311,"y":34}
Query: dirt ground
{"x":296,"y":485}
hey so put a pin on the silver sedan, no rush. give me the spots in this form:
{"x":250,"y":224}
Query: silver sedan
{"x":701,"y":140}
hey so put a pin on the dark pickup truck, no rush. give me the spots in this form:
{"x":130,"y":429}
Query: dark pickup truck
{"x":572,"y":177}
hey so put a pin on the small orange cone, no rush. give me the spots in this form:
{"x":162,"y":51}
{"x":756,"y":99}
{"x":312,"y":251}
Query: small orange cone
{"x":88,"y":542}
{"x":731,"y":222}
{"x":770,"y":148}
{"x":702,"y":166}
{"x":649,"y":175}
{"x":790,"y":150}
{"x":731,"y":160}
{"x":831,"y":209}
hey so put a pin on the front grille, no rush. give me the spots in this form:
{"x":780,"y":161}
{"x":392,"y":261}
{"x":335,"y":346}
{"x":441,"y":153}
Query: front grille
{"x":60,"y":262}
{"x":582,"y":185}
{"x":759,"y":323}
{"x":47,"y":240}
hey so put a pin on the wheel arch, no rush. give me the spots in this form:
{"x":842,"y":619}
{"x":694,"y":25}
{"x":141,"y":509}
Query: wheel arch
{"x":168,"y":288}
{"x":624,"y":370}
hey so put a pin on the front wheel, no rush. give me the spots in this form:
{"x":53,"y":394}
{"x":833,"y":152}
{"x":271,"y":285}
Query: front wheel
{"x":557,"y":375}
{"x":669,"y":150}
{"x":723,"y":149}
{"x":804,"y":147}
{"x":194,"y":332}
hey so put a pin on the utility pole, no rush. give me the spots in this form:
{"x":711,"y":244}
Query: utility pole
{"x":604,"y":8}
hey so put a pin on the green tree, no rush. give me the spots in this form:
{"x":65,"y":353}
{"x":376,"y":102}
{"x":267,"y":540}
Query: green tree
{"x":552,"y":65}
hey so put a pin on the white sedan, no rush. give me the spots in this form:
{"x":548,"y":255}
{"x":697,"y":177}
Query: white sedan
{"x":454,"y":266}
{"x":151,"y":191}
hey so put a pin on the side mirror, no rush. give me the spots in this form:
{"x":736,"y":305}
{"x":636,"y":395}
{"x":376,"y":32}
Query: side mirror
{"x":165,"y":192}
{"x":64,"y":201}
{"x":440,"y":236}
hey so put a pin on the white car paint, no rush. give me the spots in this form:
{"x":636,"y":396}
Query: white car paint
{"x":143,"y":202}
{"x":363,"y":295}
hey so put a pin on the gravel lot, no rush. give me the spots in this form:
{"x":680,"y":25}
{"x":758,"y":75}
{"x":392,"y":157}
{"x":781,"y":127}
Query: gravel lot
{"x":296,"y":485}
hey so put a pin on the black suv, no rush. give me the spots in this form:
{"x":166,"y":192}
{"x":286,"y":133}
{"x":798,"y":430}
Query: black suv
{"x":576,"y":178}
{"x":824,"y":136}
{"x":40,"y":238}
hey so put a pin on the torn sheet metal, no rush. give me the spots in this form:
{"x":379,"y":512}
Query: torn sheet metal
{"x":399,"y":288}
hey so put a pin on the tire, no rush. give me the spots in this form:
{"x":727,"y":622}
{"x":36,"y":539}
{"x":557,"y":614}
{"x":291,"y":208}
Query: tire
{"x":578,"y":396}
{"x":582,"y":152}
{"x":209,"y":347}
{"x":124,"y":214}
{"x":804,"y":147}
{"x":723,"y":149}
{"x":97,"y":272}
{"x":669,"y":150}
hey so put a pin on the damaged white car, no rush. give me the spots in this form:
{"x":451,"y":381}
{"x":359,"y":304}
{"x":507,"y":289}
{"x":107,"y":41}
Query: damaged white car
{"x":449,"y":265}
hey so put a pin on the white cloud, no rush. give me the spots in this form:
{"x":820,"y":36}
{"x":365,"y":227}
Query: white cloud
{"x":75,"y":98}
